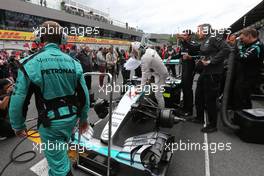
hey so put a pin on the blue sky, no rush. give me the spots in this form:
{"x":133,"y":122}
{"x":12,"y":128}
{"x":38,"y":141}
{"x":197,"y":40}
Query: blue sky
{"x":170,"y":16}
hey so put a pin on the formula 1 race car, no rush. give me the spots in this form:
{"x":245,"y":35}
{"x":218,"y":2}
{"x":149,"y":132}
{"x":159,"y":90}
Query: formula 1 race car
{"x":137,"y":145}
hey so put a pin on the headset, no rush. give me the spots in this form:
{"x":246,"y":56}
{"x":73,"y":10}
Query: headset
{"x":39,"y":37}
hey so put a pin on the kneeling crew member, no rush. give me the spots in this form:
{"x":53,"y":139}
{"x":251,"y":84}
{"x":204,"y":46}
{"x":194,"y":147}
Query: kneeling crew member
{"x":61,"y":94}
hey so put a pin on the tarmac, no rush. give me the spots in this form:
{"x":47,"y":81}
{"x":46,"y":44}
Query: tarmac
{"x":237,"y":159}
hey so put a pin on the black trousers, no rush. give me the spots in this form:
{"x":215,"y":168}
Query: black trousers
{"x":138,"y":72}
{"x":117,"y":69}
{"x":112,"y":71}
{"x":173,"y":69}
{"x":6,"y":129}
{"x":187,"y":83}
{"x":242,"y":90}
{"x":88,"y":80}
{"x":125,"y":75}
{"x":206,"y":94}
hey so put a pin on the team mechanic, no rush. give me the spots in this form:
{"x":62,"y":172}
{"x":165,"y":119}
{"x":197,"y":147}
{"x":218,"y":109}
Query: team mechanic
{"x":61,"y":96}
{"x":215,"y":50}
{"x":189,"y":51}
{"x":249,"y":60}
